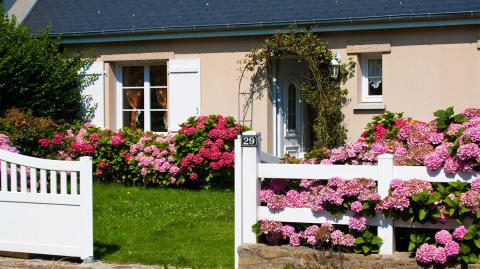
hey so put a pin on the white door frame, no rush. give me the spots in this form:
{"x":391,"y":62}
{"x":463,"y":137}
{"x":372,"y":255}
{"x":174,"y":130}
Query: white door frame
{"x":279,"y":89}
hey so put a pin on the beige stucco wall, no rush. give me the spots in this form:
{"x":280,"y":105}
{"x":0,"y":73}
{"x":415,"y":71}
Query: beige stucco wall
{"x":219,"y":73}
{"x":423,"y":70}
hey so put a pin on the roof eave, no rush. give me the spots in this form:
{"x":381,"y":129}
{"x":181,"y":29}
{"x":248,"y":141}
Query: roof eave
{"x":472,"y":18}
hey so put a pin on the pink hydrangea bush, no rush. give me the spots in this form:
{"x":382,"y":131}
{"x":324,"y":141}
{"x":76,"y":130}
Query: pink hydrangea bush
{"x":448,"y":142}
{"x":320,"y":236}
{"x":336,"y":196}
{"x":155,"y":156}
{"x":419,"y":200}
{"x":201,"y":155}
{"x":400,"y":196}
{"x":444,"y":249}
{"x":383,"y":127}
{"x":107,"y":148}
{"x":412,"y":200}
{"x":204,"y":148}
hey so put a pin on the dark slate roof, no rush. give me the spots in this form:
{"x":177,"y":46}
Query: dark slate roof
{"x":114,"y":16}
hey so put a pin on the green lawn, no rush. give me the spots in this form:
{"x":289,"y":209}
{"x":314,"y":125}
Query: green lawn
{"x":164,"y":227}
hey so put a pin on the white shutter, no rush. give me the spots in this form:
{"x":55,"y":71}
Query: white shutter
{"x":96,"y":91}
{"x":183,"y":91}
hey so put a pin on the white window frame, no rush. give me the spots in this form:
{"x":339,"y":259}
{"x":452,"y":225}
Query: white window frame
{"x":366,"y":98}
{"x":146,"y":93}
{"x":298,"y":110}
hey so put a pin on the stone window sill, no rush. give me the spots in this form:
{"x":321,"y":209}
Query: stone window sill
{"x":369,"y":106}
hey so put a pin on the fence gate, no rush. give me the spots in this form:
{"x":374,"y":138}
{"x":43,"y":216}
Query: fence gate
{"x":46,"y":206}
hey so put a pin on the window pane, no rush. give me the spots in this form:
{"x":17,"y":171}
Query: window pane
{"x":159,"y":121}
{"x":158,"y":98}
{"x":133,"y":119}
{"x":374,"y":76}
{"x":132,"y":76}
{"x":158,"y":75}
{"x":292,"y":107}
{"x":374,"y":67}
{"x":132,"y":98}
{"x":374,"y":86}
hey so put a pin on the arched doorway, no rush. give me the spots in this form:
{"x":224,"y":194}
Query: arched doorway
{"x":291,"y":117}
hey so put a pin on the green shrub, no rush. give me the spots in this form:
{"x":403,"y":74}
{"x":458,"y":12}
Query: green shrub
{"x":108,"y":149}
{"x":201,"y":155}
{"x":117,"y":167}
{"x":35,"y":75}
{"x":25,"y":130}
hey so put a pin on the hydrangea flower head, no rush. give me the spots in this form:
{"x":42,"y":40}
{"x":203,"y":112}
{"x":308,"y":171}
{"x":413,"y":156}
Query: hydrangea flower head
{"x":443,"y":237}
{"x":460,"y":232}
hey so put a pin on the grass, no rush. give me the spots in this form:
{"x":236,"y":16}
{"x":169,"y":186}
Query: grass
{"x":164,"y":226}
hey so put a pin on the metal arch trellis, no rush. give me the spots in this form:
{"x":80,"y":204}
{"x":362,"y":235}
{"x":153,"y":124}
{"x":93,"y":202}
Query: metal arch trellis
{"x":259,"y":82}
{"x":243,"y":109}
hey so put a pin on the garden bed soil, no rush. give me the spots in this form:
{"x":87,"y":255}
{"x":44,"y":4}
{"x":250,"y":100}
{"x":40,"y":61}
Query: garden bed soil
{"x":260,"y":256}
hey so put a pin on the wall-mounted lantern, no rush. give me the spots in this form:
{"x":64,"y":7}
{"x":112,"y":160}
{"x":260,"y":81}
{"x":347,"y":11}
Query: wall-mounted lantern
{"x":335,"y":65}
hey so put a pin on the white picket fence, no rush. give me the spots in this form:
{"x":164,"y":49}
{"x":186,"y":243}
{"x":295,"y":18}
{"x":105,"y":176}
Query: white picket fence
{"x":46,"y":206}
{"x":249,"y":170}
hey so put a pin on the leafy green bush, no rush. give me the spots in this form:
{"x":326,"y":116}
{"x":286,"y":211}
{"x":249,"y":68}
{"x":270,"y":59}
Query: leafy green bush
{"x":367,"y":243}
{"x":35,"y":75}
{"x":109,"y":150}
{"x":24,"y":131}
{"x":200,"y":156}
{"x":385,"y":126}
{"x":446,"y":117}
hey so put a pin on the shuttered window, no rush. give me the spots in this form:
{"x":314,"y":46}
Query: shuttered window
{"x":158,"y":97}
{"x":144,"y":94}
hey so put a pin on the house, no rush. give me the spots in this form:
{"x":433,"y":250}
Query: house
{"x":162,"y":61}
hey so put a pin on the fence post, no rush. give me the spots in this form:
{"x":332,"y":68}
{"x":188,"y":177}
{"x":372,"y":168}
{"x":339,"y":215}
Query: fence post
{"x":250,"y":188}
{"x":385,"y":227}
{"x":238,"y":197}
{"x":86,"y":180}
{"x":247,"y":191}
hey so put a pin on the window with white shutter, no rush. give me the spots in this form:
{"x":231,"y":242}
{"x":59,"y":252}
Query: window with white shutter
{"x":158,"y":97}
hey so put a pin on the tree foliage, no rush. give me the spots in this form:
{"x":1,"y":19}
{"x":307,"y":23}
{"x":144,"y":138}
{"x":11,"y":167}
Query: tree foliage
{"x":36,"y":75}
{"x":321,"y":92}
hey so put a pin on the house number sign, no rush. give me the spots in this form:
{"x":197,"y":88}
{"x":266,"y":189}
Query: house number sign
{"x":249,"y":140}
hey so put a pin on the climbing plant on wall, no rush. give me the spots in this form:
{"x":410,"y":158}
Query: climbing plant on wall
{"x":321,"y":92}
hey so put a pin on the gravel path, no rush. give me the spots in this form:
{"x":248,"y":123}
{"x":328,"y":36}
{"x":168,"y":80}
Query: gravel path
{"x":16,"y":263}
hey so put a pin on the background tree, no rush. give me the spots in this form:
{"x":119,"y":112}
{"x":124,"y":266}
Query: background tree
{"x":36,"y":75}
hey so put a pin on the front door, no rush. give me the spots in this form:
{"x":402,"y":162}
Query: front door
{"x":292,"y":117}
{"x":293,"y":133}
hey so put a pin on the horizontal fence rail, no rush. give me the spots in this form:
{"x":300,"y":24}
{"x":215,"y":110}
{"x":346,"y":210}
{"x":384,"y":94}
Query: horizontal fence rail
{"x":312,"y":171}
{"x":46,"y":206}
{"x":249,"y":171}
